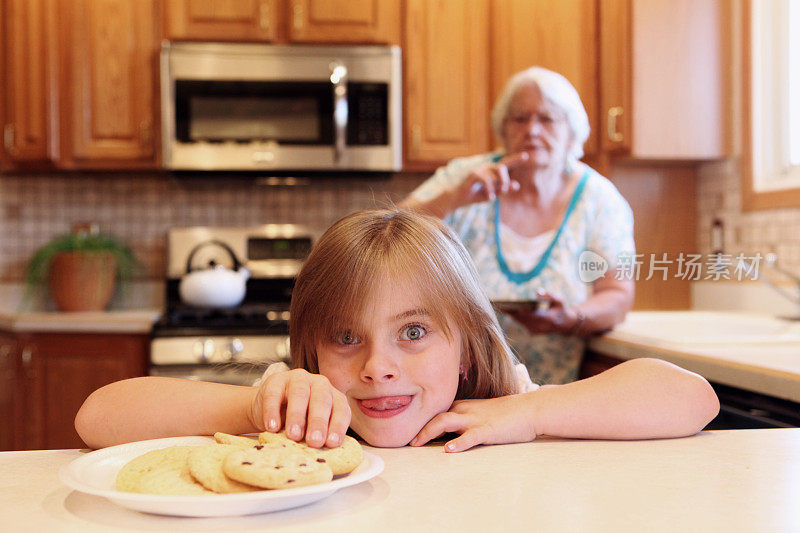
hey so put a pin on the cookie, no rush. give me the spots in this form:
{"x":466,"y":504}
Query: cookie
{"x":279,"y":440}
{"x":163,"y":471}
{"x":275,"y":468}
{"x":342,"y":459}
{"x":225,"y":438}
{"x":205,"y":465}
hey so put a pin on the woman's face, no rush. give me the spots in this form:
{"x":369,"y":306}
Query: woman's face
{"x":538,"y":127}
{"x":395,"y":365}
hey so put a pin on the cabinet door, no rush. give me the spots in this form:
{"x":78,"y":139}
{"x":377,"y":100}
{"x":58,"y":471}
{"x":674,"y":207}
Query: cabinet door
{"x":108,"y":95}
{"x":8,"y":390}
{"x":446,"y":80}
{"x":560,"y":36}
{"x":222,"y":20}
{"x":663,"y":86}
{"x":344,"y":21}
{"x":61,"y":370}
{"x":25,"y":80}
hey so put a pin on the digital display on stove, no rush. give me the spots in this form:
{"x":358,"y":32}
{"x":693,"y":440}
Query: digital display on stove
{"x":259,"y":248}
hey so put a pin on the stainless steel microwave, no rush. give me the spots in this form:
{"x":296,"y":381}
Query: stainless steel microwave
{"x":227,"y":106}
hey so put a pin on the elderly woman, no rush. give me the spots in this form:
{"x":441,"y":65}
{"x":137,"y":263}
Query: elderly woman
{"x":529,"y":214}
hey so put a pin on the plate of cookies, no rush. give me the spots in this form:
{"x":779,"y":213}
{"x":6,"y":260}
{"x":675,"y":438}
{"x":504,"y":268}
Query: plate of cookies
{"x":225,"y":475}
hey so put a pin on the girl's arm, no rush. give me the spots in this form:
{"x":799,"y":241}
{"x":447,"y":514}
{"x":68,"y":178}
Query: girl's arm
{"x":637,"y":399}
{"x":155,"y":407}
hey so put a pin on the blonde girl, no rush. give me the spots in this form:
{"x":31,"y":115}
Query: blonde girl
{"x":393,"y":337}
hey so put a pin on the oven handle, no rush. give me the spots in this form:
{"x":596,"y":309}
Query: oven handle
{"x":340,"y":108}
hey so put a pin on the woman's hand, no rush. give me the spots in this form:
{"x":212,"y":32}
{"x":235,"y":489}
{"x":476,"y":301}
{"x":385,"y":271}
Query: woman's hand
{"x":494,"y":421}
{"x":557,"y":318}
{"x":303,"y":397}
{"x":491,"y":180}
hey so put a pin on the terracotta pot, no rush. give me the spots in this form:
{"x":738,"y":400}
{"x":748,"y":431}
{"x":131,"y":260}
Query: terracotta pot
{"x":83,"y":281}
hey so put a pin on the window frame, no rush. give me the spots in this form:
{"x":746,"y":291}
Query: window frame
{"x":753,"y":196}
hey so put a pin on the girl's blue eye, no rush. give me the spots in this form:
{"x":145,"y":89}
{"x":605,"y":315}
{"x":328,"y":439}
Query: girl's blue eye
{"x":346,"y":338}
{"x":413,"y":333}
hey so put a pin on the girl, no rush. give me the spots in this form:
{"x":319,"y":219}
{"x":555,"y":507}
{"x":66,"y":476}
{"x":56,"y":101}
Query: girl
{"x":392,"y":335}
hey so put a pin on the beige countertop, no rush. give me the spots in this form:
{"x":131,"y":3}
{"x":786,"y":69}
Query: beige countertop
{"x":738,"y":480}
{"x":133,"y":311}
{"x":751,"y":352}
{"x":117,"y":321}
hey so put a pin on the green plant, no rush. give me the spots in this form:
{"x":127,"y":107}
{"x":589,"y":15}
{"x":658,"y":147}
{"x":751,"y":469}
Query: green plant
{"x":38,"y":269}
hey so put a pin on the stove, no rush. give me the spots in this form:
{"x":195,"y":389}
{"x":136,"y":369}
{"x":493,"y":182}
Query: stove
{"x":235,"y":344}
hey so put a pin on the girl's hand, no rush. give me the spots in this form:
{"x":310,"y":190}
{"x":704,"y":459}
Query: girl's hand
{"x":557,"y":318}
{"x":303,"y":397}
{"x":494,"y":421}
{"x":491,"y":180}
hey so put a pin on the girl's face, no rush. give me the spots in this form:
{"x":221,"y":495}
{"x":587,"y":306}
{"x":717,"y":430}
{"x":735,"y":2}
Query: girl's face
{"x":395,"y":365}
{"x":536,"y":126}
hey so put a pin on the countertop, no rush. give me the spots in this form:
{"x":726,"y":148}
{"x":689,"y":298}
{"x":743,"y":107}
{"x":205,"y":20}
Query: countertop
{"x":132,"y":311}
{"x":737,"y":480}
{"x":119,"y":321}
{"x":763,"y":359}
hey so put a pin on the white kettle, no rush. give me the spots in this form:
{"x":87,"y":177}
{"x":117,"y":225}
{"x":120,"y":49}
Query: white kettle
{"x":216,"y":286}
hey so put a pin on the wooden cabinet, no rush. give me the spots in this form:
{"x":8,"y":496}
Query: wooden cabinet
{"x":300,"y":21}
{"x":9,"y":357}
{"x":662,"y":89}
{"x":223,"y":20}
{"x":25,"y":81}
{"x":345,"y":21}
{"x":446,"y":72}
{"x":108,"y":92}
{"x":53,"y":375}
{"x":560,"y":36}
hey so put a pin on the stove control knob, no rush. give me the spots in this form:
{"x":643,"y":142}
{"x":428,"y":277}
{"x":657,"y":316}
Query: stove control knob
{"x":235,"y":347}
{"x":282,"y":349}
{"x":203,"y":350}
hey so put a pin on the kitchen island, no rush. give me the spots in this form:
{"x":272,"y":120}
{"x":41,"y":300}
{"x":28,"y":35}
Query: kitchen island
{"x":744,"y":480}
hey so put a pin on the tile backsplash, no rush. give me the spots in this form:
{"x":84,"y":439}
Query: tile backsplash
{"x":751,"y":232}
{"x":140,"y":207}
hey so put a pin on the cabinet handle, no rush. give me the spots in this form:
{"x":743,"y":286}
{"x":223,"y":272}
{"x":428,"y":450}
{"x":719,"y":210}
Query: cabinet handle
{"x":613,"y":134}
{"x":5,"y":351}
{"x":263,"y":15}
{"x":27,"y":361}
{"x":145,"y":132}
{"x":298,"y":15}
{"x":8,"y":137}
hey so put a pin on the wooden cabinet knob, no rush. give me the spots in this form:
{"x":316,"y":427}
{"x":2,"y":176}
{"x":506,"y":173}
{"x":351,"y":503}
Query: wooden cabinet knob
{"x":8,"y":138}
{"x":613,"y":134}
{"x":298,"y":15}
{"x":263,"y":15}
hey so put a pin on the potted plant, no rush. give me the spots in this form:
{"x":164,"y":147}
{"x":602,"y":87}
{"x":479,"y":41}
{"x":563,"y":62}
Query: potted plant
{"x":81,"y":269}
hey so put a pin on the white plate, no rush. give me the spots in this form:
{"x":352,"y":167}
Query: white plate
{"x":96,"y":473}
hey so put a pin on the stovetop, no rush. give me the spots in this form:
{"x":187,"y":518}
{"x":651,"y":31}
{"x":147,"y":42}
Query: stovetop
{"x":246,"y":319}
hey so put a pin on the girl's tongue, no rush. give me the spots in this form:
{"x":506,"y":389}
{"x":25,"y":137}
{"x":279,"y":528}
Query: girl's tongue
{"x":385,"y":403}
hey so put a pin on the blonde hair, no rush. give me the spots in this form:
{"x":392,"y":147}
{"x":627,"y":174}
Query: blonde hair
{"x":555,"y":89}
{"x":365,"y":248}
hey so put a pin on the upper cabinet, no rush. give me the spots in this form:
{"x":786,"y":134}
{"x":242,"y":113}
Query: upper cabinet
{"x":662,"y":78}
{"x":561,"y":36}
{"x":300,"y":21}
{"x":107,"y":78}
{"x":446,"y":73}
{"x":345,"y":21}
{"x":26,"y":81}
{"x":223,"y":20}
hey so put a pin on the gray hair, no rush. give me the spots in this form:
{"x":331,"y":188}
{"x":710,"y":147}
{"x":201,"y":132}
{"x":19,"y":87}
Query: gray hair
{"x":556,"y":89}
